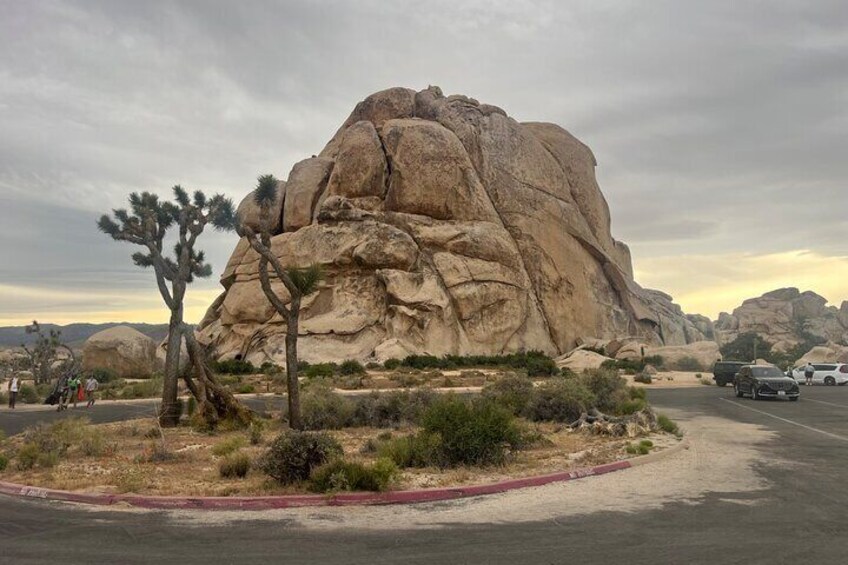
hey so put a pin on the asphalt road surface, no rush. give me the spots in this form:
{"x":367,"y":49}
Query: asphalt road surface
{"x":783,"y":500}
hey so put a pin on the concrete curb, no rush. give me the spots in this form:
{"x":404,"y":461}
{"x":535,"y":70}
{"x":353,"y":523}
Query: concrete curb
{"x":339,"y":499}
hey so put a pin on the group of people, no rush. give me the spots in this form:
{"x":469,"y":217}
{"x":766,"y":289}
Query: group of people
{"x":72,"y":390}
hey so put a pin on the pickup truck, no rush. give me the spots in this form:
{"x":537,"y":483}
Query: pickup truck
{"x":725,"y":371}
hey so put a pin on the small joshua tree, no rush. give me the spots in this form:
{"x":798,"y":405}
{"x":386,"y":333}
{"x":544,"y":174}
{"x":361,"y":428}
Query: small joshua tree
{"x":299,"y":282}
{"x":45,"y":352}
{"x":146,"y":225}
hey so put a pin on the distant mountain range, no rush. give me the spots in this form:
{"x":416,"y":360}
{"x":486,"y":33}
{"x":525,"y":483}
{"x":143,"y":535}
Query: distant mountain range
{"x":74,"y":335}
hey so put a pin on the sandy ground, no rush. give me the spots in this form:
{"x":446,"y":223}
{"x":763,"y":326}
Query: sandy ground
{"x":719,"y":460}
{"x":674,"y":379}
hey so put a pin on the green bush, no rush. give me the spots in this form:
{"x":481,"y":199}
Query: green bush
{"x":145,"y":389}
{"x":255,"y":430}
{"x":632,"y":405}
{"x":560,"y":400}
{"x":27,"y":456}
{"x":392,"y":409}
{"x":234,"y":465}
{"x":341,"y":475}
{"x":351,"y":367}
{"x":103,"y":376}
{"x":540,"y":366}
{"x":418,"y":450}
{"x":391,"y":364}
{"x":323,"y":409}
{"x":233,"y":367}
{"x":609,"y":389}
{"x":667,"y":425}
{"x":688,"y":364}
{"x":28,"y":395}
{"x":320,"y":370}
{"x":535,"y":363}
{"x":293,"y":455}
{"x":191,"y":406}
{"x":472,"y":433}
{"x":228,"y":446}
{"x":246,"y":388}
{"x":4,"y":462}
{"x":512,"y":391}
{"x":643,"y":378}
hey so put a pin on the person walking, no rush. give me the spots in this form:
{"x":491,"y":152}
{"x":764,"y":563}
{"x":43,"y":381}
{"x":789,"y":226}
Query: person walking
{"x":14,"y":385}
{"x":809,"y":371}
{"x":73,"y":388}
{"x":90,"y":386}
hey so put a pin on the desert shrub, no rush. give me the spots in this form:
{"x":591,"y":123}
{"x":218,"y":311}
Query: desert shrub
{"x":271,"y":369}
{"x":667,"y":425}
{"x":391,"y":409}
{"x":641,"y":448}
{"x":4,"y":398}
{"x":233,"y":367}
{"x":228,"y":446}
{"x":234,"y":465}
{"x":255,"y":430}
{"x":293,"y":455}
{"x":540,"y":366}
{"x":351,"y":367}
{"x":155,"y":452}
{"x":320,"y":370}
{"x":512,"y":391}
{"x":418,"y":450}
{"x":560,"y":400}
{"x":643,"y":378}
{"x":632,"y":405}
{"x":191,"y":406}
{"x":103,"y":376}
{"x":689,"y":364}
{"x":28,"y":395}
{"x":27,"y":456}
{"x":373,"y":365}
{"x":128,"y":478}
{"x":391,"y":364}
{"x":341,"y":475}
{"x":472,"y":433}
{"x":92,"y":444}
{"x":145,"y":389}
{"x":323,"y":409}
{"x":609,"y":389}
{"x":4,"y":462}
{"x":246,"y":388}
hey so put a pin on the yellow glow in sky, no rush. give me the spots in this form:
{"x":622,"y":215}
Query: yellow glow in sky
{"x":709,"y":284}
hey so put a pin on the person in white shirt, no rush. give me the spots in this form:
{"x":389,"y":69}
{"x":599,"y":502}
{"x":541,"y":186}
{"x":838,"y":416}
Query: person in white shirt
{"x":14,"y":385}
{"x":90,"y":386}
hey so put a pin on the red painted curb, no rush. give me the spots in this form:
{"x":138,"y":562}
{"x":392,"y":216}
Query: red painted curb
{"x":296,"y":501}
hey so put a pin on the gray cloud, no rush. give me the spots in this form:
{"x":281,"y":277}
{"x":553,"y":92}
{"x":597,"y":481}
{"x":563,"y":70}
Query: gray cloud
{"x":717,"y":126}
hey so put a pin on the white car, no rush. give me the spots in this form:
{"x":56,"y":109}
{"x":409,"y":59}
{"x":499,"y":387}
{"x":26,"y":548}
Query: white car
{"x":826,"y":373}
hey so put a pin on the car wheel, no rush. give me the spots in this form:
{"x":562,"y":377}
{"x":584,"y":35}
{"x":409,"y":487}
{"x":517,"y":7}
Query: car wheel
{"x":721,"y":383}
{"x":754,"y":395}
{"x":829,"y":381}
{"x":738,"y":391}
{"x":794,"y":398}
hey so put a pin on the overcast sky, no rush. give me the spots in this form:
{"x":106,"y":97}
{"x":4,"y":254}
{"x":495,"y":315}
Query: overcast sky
{"x":720,"y":127}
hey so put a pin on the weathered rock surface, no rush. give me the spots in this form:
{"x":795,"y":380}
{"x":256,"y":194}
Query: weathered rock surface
{"x":828,"y":353}
{"x":783,"y":317}
{"x":444,"y":226}
{"x":123,"y":350}
{"x":582,"y":360}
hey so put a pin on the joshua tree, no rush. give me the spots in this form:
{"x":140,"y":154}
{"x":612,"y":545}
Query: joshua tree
{"x":299,"y":282}
{"x":45,"y":352}
{"x":146,"y":224}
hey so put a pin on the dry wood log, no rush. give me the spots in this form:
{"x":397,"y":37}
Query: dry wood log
{"x":633,"y":425}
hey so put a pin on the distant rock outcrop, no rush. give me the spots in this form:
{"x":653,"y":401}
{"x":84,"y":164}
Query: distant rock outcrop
{"x":786,"y":318}
{"x":444,"y":226}
{"x":121,"y":349}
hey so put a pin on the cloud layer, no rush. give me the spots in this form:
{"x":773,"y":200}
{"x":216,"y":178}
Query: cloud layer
{"x":720,"y":128}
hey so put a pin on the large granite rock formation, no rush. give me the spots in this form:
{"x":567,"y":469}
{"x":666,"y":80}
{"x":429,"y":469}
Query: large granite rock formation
{"x":783,"y":317}
{"x":123,"y":350}
{"x":444,"y":226}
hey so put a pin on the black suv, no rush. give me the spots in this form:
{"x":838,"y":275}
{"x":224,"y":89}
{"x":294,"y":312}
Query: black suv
{"x":765,"y":381}
{"x":725,"y":371}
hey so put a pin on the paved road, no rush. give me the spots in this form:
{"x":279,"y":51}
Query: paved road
{"x":798,"y":515}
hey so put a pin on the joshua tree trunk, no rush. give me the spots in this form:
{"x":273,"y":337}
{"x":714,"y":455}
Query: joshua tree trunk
{"x":295,"y":421}
{"x":169,"y":412}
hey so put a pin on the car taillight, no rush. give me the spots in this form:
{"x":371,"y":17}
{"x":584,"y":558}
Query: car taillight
{"x":843,"y":369}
